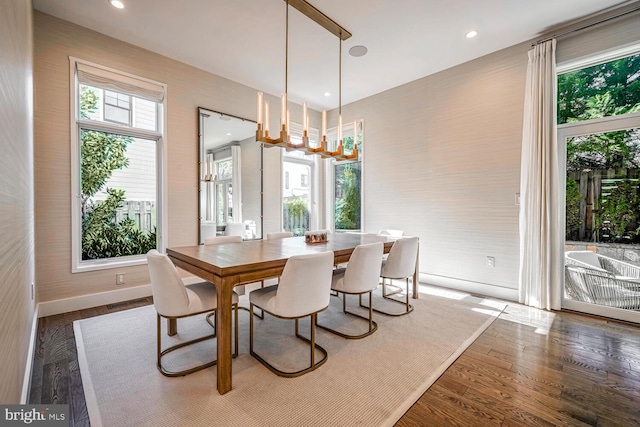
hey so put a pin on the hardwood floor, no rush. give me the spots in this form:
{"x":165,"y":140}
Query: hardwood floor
{"x":529,"y":368}
{"x":56,"y":375}
{"x":536,"y":368}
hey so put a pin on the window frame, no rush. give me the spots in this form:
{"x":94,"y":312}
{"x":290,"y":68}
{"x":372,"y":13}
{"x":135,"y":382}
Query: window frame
{"x":76,"y":124}
{"x":311,"y":164}
{"x":586,"y":127}
{"x":128,"y":110}
{"x":331,"y":178}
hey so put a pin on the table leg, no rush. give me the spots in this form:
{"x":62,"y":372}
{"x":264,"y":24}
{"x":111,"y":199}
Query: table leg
{"x":224,"y":332}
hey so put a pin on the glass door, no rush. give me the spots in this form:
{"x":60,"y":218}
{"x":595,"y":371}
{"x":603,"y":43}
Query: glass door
{"x":601,"y":161}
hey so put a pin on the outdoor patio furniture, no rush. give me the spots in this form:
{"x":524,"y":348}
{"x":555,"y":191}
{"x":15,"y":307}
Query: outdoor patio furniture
{"x":588,"y":259}
{"x":602,"y":288}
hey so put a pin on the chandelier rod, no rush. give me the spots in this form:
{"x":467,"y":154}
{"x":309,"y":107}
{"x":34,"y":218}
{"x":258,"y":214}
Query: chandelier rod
{"x":286,"y":53}
{"x":320,"y":18}
{"x":340,"y":79}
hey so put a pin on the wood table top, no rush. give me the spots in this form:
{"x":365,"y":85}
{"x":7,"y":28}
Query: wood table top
{"x":252,"y":255}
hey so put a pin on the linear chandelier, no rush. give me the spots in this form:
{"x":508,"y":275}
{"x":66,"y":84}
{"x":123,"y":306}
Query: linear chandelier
{"x":284,"y":137}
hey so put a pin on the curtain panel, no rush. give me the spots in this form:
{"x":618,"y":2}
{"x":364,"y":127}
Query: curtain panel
{"x":540,"y":209}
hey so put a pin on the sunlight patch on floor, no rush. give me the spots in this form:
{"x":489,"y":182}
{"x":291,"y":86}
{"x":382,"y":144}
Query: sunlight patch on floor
{"x":541,"y":320}
{"x":442,"y":292}
{"x":487,"y":311}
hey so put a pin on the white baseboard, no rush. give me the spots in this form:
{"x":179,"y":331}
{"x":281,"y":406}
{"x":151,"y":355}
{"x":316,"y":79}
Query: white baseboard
{"x":493,"y":291}
{"x":65,"y":305}
{"x":26,"y":383}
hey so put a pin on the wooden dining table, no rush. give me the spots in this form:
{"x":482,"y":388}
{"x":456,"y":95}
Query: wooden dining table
{"x":233,"y":264}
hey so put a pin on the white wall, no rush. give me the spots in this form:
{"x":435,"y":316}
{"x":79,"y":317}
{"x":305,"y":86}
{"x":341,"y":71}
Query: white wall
{"x":441,"y":157}
{"x":187,"y":89}
{"x":442,"y":160}
{"x":16,"y":196}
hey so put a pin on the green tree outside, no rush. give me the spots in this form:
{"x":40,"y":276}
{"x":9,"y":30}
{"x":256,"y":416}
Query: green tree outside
{"x":347,"y":209}
{"x":604,"y":90}
{"x":101,"y":154}
{"x":572,"y":213}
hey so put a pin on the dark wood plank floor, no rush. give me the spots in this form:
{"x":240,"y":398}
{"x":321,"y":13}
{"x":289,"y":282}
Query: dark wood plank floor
{"x":56,"y":375}
{"x":529,"y":368}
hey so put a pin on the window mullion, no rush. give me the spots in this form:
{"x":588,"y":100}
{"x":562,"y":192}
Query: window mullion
{"x":111,"y":128}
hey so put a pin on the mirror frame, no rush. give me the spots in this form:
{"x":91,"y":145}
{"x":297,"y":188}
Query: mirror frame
{"x":202,"y":112}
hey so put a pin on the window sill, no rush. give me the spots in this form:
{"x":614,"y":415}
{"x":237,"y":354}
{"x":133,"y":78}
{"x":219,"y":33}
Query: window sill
{"x":109,"y":263}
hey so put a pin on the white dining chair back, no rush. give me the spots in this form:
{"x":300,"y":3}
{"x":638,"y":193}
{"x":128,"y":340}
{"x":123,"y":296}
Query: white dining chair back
{"x":401,"y":261}
{"x":390,"y":232}
{"x":170,"y":296}
{"x":219,"y":240}
{"x":303,"y":290}
{"x":279,"y":235}
{"x":173,"y":300}
{"x":304,"y":285}
{"x":235,"y":229}
{"x":361,"y":276}
{"x":400,"y":264}
{"x":363,"y":270}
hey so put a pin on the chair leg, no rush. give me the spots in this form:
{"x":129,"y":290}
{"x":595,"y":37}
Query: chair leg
{"x":409,"y":307}
{"x":161,"y":353}
{"x":313,"y":346}
{"x":373,"y":326}
{"x":386,"y":294}
{"x":209,"y":321}
{"x":313,"y":339}
{"x":259,"y":316}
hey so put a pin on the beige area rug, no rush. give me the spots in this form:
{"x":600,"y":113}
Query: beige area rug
{"x":367,"y":382}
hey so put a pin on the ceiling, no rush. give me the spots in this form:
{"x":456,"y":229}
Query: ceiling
{"x":244,"y":40}
{"x":220,"y":129}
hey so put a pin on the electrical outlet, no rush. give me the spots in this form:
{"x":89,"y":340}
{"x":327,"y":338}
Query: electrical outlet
{"x":120,"y":279}
{"x":33,"y":291}
{"x":491,"y":261}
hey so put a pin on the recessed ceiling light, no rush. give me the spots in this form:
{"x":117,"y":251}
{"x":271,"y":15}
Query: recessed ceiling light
{"x":327,"y":94}
{"x":358,"y":51}
{"x":228,"y":133}
{"x":117,"y":4}
{"x":471,"y":34}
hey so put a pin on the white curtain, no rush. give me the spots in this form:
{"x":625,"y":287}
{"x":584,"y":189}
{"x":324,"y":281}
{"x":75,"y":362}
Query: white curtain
{"x":540,"y":208}
{"x":236,"y":182}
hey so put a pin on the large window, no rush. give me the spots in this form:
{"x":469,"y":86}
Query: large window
{"x":599,"y":134}
{"x":347,"y":188}
{"x":116,"y":166}
{"x":298,"y":192}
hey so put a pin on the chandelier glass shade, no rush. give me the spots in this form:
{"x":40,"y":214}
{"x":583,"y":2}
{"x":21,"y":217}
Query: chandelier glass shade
{"x":282,"y":137}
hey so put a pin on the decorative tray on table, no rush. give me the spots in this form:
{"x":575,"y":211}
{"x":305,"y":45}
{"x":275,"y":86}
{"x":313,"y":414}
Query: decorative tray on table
{"x":312,"y":237}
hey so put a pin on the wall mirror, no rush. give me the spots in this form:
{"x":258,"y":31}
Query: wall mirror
{"x":230,"y":201}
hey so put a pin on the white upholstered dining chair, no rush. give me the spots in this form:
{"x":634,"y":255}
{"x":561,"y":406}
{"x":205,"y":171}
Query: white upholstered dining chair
{"x":390,"y":232}
{"x":173,"y":300}
{"x":361,"y":276}
{"x":400,"y":264}
{"x":303,"y":290}
{"x":218,"y":240}
{"x":235,"y":229}
{"x":279,"y":235}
